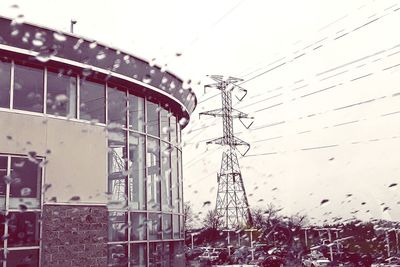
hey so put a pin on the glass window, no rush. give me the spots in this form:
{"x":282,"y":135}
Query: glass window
{"x":26,"y":183}
{"x":138,"y":255}
{"x":164,"y":120}
{"x":167,"y":226}
{"x":117,"y":226}
{"x":174,"y":180}
{"x":5,"y":77}
{"x":173,"y":133}
{"x":117,"y":255}
{"x":138,"y":226}
{"x":153,"y":174}
{"x":117,"y":167}
{"x":61,"y":95}
{"x":92,"y":101}
{"x":154,"y":226}
{"x":176,"y":226}
{"x":23,"y":229}
{"x":23,"y":258}
{"x":180,"y":183}
{"x":155,"y":254}
{"x":136,"y":113}
{"x":152,"y":113}
{"x":28,"y":88}
{"x":116,"y":105}
{"x":3,"y":174}
{"x":136,"y":166}
{"x":166,"y":177}
{"x":181,"y":226}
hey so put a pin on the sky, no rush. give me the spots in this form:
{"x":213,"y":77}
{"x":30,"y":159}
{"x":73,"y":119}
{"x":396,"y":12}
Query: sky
{"x":322,"y":80}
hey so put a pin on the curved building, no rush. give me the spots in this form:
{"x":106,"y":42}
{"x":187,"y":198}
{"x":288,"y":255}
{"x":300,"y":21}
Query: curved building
{"x":90,"y":153}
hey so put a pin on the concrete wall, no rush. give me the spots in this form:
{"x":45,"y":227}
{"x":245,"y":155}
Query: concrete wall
{"x":76,"y":153}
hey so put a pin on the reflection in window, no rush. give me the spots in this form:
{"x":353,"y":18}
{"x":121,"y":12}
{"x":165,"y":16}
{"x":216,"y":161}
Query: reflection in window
{"x":23,"y":229}
{"x":164,"y":122}
{"x":116,"y":166}
{"x":92,"y":101}
{"x":152,"y":112}
{"x":167,"y":226}
{"x":138,"y":226}
{"x":28,"y":88}
{"x":117,"y":226}
{"x":176,"y":226}
{"x":23,"y":258}
{"x":138,"y":255}
{"x":136,"y":113}
{"x":154,"y":225}
{"x":26,"y":183}
{"x":136,"y":166}
{"x":3,"y":173}
{"x":116,"y":105}
{"x":155,"y":254}
{"x":5,"y":76}
{"x":173,"y":133}
{"x":117,"y":255}
{"x":61,"y":94}
{"x":174,"y":180}
{"x":166,"y":176}
{"x":153,"y":174}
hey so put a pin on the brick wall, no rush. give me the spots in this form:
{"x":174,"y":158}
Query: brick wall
{"x":74,"y":235}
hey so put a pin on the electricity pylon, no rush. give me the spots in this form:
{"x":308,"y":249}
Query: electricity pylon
{"x":232,"y":204}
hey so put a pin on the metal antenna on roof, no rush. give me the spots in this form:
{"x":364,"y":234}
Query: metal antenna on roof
{"x":232,"y":204}
{"x":73,"y":22}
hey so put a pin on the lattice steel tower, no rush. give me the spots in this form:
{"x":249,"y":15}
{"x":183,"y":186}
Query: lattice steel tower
{"x":231,"y":204}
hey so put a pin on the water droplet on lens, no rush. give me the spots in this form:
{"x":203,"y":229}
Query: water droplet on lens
{"x":101,"y":55}
{"x":324,"y":201}
{"x":147,"y":78}
{"x":59,"y":36}
{"x":26,"y":191}
{"x":93,"y":45}
{"x":37,"y":42}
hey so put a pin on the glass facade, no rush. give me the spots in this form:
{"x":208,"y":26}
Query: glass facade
{"x":144,"y":181}
{"x":19,"y":190}
{"x":143,"y":162}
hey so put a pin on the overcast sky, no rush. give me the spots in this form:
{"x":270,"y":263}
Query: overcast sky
{"x":322,"y":78}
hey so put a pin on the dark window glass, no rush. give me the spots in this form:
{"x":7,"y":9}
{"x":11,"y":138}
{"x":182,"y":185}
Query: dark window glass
{"x":137,"y":186}
{"x":3,"y":173}
{"x":153,"y":174}
{"x":92,"y":101}
{"x":138,"y":255}
{"x":174,"y":180}
{"x":154,"y":226}
{"x":117,"y":167}
{"x":164,"y":120}
{"x":166,"y":176}
{"x":155,"y":254}
{"x":117,"y":255}
{"x":26,"y":183}
{"x":138,"y":226}
{"x":23,"y":258}
{"x":61,"y":95}
{"x":116,"y":105}
{"x":117,"y":226}
{"x":173,"y":135}
{"x":167,"y":226}
{"x":23,"y":229}
{"x":176,"y":226}
{"x":2,"y":226}
{"x":136,"y":113}
{"x":28,"y":88}
{"x":5,"y":76}
{"x":152,"y":116}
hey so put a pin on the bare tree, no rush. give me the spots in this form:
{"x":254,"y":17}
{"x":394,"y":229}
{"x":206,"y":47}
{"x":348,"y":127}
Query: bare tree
{"x":212,"y":220}
{"x":188,"y":215}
